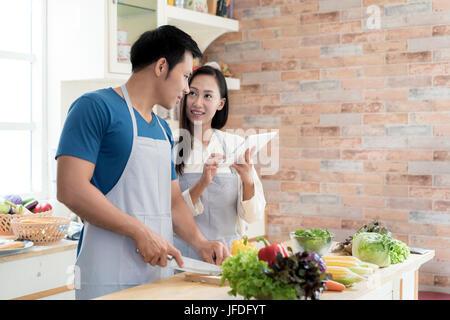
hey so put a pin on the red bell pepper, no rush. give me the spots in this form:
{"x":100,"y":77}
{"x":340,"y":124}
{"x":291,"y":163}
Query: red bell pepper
{"x":42,"y":207}
{"x":269,"y":252}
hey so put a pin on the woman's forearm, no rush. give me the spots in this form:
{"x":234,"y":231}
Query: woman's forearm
{"x":248,"y":190}
{"x":197,"y":190}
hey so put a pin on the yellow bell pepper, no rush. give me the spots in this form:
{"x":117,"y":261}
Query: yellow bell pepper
{"x":241,"y":244}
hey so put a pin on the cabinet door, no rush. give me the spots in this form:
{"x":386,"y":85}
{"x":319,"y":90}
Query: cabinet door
{"x":128,"y":19}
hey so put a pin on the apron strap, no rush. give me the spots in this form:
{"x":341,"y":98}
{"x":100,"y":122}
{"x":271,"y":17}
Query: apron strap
{"x":130,"y":108}
{"x":133,"y":118}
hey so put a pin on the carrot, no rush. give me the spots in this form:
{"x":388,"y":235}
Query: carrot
{"x":334,"y":286}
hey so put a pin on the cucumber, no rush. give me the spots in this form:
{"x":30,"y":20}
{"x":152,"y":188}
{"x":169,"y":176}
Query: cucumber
{"x":24,"y":202}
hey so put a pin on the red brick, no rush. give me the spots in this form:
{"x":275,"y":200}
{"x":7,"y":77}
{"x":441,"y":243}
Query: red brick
{"x":319,"y":131}
{"x":387,"y":191}
{"x":300,"y":53}
{"x":341,"y":27}
{"x":409,"y":155}
{"x":325,"y":108}
{"x":361,"y":201}
{"x":281,"y":109}
{"x":262,"y":99}
{"x":363,"y":107}
{"x":386,"y":214}
{"x":408,"y":57}
{"x":442,"y":81}
{"x":439,"y":68}
{"x":386,"y":118}
{"x":341,"y":142}
{"x":280,"y":43}
{"x":326,"y":17}
{"x":318,"y":222}
{"x":300,"y":75}
{"x":367,"y":83}
{"x":385,"y":166}
{"x":300,"y":30}
{"x":280,"y":65}
{"x":409,"y":33}
{"x":441,"y":5}
{"x":299,"y":164}
{"x":340,"y":189}
{"x":300,"y":187}
{"x":361,"y":37}
{"x":409,"y":179}
{"x":364,"y":178}
{"x":363,"y":154}
{"x":387,"y":46}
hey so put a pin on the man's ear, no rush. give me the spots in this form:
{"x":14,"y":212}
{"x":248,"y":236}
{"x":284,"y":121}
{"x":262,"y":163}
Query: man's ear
{"x":161,"y":67}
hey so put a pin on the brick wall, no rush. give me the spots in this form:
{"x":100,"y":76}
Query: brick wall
{"x":363,"y":115}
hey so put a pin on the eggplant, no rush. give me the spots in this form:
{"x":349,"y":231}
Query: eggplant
{"x":14,"y":198}
{"x":31,"y":205}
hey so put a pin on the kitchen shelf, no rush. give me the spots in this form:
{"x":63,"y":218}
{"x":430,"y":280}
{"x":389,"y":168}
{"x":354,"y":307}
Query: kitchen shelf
{"x":203,"y":27}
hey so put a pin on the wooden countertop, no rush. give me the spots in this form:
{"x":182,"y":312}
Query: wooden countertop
{"x":35,"y":250}
{"x":177,"y":288}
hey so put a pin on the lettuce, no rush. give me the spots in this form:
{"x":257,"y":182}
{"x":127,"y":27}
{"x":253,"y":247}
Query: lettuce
{"x":398,"y":251}
{"x":372,"y":247}
{"x":246,"y":276}
{"x":380,"y":249}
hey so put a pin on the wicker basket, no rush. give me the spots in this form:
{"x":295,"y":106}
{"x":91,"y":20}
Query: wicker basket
{"x":41,"y":233}
{"x":5,"y":220}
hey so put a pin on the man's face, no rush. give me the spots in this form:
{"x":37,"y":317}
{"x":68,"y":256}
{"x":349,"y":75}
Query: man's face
{"x":175,"y":86}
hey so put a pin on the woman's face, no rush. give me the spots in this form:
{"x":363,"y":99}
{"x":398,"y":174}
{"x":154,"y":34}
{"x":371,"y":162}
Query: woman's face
{"x":203,"y":100}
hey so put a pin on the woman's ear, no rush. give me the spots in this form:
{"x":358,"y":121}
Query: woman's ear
{"x":161,"y":67}
{"x":222,"y":103}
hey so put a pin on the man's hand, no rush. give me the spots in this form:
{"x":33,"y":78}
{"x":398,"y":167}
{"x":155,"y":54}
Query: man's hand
{"x":154,"y":249}
{"x":214,"y":252}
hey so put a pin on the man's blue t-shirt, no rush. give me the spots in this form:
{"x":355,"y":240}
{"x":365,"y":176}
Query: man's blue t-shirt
{"x":99,"y":129}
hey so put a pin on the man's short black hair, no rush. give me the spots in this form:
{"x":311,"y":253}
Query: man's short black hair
{"x":163,"y":42}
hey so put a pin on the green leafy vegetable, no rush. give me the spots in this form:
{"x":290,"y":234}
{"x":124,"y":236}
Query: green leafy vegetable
{"x":314,"y":233}
{"x":302,"y":272}
{"x":372,"y":247}
{"x":245,"y":274}
{"x":378,"y":248}
{"x":398,"y":251}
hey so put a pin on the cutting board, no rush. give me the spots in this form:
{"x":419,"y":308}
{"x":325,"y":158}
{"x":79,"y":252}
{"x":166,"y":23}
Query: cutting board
{"x":202,"y":278}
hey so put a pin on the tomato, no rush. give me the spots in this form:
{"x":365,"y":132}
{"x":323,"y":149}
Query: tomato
{"x":42,"y":207}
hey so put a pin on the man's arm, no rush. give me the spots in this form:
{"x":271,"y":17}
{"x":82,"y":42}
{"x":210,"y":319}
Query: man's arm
{"x":75,"y":190}
{"x":186,"y":228}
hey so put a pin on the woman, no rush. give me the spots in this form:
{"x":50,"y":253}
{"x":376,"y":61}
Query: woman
{"x":223,"y":198}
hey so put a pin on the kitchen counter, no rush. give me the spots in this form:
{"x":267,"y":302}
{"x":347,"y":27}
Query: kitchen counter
{"x":396,"y":282}
{"x":39,"y":272}
{"x":35,"y":250}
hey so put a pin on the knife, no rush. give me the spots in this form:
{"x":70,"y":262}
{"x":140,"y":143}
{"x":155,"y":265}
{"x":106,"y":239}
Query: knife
{"x":192,"y":265}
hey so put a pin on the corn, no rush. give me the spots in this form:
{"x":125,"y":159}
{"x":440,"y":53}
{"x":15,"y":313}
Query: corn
{"x":342,"y":258}
{"x":344,"y":275}
{"x":336,"y":263}
{"x":362,"y":271}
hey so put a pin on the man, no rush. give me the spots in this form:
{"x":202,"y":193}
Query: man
{"x":116,"y":172}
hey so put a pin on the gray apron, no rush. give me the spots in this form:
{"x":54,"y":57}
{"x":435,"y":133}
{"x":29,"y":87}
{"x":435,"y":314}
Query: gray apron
{"x":219,"y":219}
{"x":108,"y":262}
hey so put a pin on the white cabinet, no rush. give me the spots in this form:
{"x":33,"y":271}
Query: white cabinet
{"x":91,"y":39}
{"x":42,"y":272}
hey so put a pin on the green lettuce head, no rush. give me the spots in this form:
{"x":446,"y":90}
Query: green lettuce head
{"x":372,"y":247}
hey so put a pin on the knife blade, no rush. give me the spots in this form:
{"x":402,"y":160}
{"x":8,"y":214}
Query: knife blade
{"x":192,"y":265}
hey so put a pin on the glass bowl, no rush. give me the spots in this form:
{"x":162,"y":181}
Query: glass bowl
{"x":315,"y":244}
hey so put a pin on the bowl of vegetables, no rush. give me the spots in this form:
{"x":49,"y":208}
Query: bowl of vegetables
{"x":316,"y":240}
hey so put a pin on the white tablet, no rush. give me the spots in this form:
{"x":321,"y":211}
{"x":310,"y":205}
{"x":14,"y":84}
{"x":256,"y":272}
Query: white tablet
{"x":254,"y":140}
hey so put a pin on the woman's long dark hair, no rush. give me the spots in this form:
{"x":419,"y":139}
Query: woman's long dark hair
{"x":218,"y":121}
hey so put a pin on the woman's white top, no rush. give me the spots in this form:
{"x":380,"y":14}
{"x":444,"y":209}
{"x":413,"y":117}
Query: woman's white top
{"x":249,"y":211}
